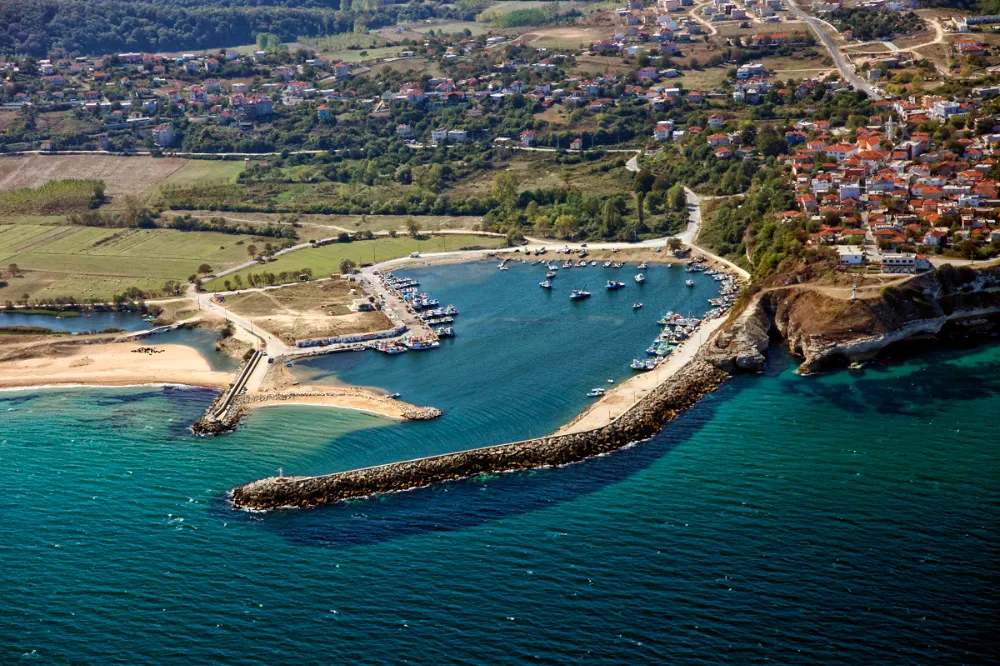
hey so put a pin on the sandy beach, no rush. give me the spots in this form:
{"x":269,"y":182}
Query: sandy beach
{"x":109,"y":364}
{"x":620,"y":399}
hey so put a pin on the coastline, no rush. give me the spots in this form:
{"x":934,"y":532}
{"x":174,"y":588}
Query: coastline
{"x":108,"y":364}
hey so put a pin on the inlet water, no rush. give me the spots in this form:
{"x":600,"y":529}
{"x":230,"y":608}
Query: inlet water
{"x":844,"y":518}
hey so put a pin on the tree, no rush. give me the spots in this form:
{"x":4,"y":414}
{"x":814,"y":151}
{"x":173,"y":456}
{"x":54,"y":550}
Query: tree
{"x":204,"y":269}
{"x":674,"y":243}
{"x":228,"y":285}
{"x":611,"y":219}
{"x":347,"y":266}
{"x":14,"y":270}
{"x":252,"y":251}
{"x":566,"y":226}
{"x":676,"y":197}
{"x":412,"y":227}
{"x":505,"y":186}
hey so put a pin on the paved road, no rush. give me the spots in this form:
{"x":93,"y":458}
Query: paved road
{"x":689,"y":235}
{"x":846,"y":70}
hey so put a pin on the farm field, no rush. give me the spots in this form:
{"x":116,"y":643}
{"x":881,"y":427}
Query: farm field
{"x":454,"y":27}
{"x":121,"y":175}
{"x":309,"y":310}
{"x":566,"y":37}
{"x":325,"y":226}
{"x":95,"y":263}
{"x":326,"y":260}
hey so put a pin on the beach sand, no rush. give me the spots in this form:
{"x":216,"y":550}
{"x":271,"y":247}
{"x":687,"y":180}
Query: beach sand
{"x":347,"y":398}
{"x":109,"y":364}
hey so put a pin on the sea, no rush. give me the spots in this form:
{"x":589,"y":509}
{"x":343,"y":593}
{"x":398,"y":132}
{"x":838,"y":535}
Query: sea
{"x":849,"y":517}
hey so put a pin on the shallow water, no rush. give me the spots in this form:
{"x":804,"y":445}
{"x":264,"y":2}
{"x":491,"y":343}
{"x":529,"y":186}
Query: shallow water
{"x":844,"y":518}
{"x":98,"y":321}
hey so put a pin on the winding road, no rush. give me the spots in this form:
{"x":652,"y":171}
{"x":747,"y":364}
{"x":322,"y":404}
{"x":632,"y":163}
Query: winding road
{"x":846,"y":69}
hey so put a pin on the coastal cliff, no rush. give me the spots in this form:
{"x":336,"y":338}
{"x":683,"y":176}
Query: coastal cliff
{"x":825,"y":330}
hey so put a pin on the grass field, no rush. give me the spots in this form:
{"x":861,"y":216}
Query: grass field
{"x":538,"y":171}
{"x":453,"y":27}
{"x":94,"y":263}
{"x":326,"y":260}
{"x":200,"y":172}
{"x":121,"y":175}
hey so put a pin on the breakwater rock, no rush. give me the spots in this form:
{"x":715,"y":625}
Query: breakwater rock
{"x":644,"y":420}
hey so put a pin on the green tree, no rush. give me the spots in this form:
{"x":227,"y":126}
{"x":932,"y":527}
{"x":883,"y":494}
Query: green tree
{"x":504,"y":189}
{"x":252,"y":251}
{"x":412,"y":227}
{"x":347,"y":266}
{"x":204,"y":269}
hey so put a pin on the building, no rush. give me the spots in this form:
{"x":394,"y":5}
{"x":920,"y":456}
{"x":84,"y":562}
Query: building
{"x":901,"y":262}
{"x":528,"y":137}
{"x":850,"y":255}
{"x":576,"y":144}
{"x":163,"y":135}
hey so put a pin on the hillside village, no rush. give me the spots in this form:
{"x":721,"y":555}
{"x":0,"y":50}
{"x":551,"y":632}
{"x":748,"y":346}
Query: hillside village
{"x":912,"y":179}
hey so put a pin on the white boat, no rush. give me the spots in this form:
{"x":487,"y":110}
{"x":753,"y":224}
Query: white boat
{"x":642,"y":266}
{"x":640,"y":278}
{"x":595,"y":393}
{"x":613,"y":285}
{"x":607,"y":264}
{"x":593,"y":263}
{"x":636,"y":306}
{"x":545,"y":284}
{"x":578,"y":294}
{"x":550,"y":275}
{"x":689,"y":283}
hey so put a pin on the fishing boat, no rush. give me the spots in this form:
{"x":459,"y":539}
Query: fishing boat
{"x":643,"y":364}
{"x":642,"y":266}
{"x":581,"y":263}
{"x":545,"y":284}
{"x":636,"y":306}
{"x":420,"y":344}
{"x":445,"y":332}
{"x":595,"y":393}
{"x":391,"y":348}
{"x":640,"y":278}
{"x":689,"y":283}
{"x":550,"y":275}
{"x":395,"y":396}
{"x":614,"y":285}
{"x":553,"y":267}
{"x":451,"y":310}
{"x":578,"y":294}
{"x":593,"y":263}
{"x":567,"y":264}
{"x":607,"y":264}
{"x":617,"y":264}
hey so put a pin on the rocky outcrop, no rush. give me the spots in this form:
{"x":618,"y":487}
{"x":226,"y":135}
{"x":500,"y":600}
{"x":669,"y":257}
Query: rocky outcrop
{"x":643,"y":421}
{"x":741,"y":345}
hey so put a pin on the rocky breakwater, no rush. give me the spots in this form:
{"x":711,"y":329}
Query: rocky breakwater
{"x":700,"y":376}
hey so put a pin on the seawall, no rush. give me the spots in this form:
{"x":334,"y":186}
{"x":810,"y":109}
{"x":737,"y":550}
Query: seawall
{"x":642,"y":421}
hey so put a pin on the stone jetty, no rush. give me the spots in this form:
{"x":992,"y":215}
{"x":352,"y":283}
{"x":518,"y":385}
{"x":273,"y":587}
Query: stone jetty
{"x":645,"y":419}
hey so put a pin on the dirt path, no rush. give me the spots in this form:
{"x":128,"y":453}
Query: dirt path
{"x":695,"y":14}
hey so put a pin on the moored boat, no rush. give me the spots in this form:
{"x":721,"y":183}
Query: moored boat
{"x":640,"y":278}
{"x":689,"y":283}
{"x":578,"y":294}
{"x":613,"y":285}
{"x":545,"y":284}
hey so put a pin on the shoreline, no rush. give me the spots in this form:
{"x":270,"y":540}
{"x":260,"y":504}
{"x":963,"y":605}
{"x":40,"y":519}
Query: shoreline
{"x":47,"y":387}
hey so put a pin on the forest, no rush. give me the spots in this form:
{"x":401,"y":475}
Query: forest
{"x":87,"y":27}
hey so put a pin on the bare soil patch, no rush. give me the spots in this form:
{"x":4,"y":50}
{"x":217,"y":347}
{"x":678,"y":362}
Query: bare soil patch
{"x":121,"y":175}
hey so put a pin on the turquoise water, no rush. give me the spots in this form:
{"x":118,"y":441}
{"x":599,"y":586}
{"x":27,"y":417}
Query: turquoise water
{"x":98,"y":321}
{"x":844,"y":518}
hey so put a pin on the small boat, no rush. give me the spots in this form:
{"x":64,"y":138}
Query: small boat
{"x":856,"y":366}
{"x":553,"y":267}
{"x":568,"y":264}
{"x":420,"y":344}
{"x":636,"y":306}
{"x":545,"y":284}
{"x":445,"y":332}
{"x":607,"y":264}
{"x":593,"y":263}
{"x":550,"y":275}
{"x":578,"y":294}
{"x":595,"y":393}
{"x":614,"y":285}
{"x":611,"y":381}
{"x":289,"y":364}
{"x":640,"y":278}
{"x":502,"y":267}
{"x":395,"y":396}
{"x":642,"y":266}
{"x":689,"y":283}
